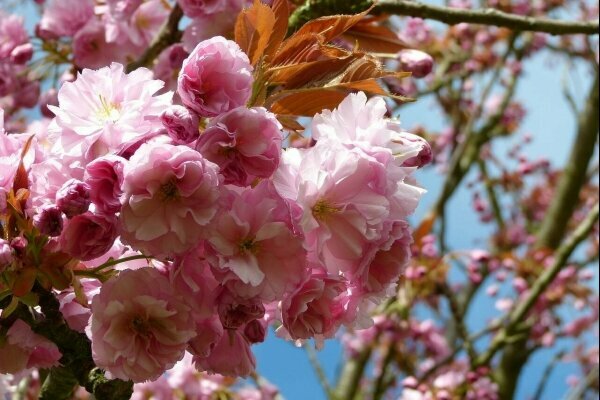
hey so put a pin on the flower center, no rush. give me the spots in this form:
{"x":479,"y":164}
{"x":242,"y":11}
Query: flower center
{"x":323,"y":209}
{"x":140,"y":326}
{"x":248,"y":245}
{"x":169,"y":191}
{"x":108,"y":110}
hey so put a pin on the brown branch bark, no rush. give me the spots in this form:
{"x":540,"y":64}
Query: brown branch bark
{"x":487,"y":16}
{"x":168,"y":35}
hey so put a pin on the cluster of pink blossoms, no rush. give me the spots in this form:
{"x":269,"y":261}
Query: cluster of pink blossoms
{"x":220,"y":231}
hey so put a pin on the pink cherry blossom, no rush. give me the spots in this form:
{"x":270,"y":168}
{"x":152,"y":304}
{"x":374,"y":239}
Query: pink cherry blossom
{"x":169,"y":194}
{"x":65,"y":17}
{"x":12,"y":34}
{"x":139,"y":326}
{"x":231,"y":356}
{"x":244,"y":143}
{"x":215,"y":78}
{"x":106,"y":111}
{"x":22,"y":348}
{"x":197,"y":8}
{"x":254,"y":240}
{"x":314,"y":309}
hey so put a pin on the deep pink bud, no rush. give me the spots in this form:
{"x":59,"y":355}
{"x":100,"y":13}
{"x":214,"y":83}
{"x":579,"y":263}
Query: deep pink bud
{"x":22,"y":53}
{"x":415,"y":61}
{"x":104,"y":176}
{"x":19,"y":245}
{"x":73,"y":198}
{"x":176,"y":56}
{"x":181,"y":124}
{"x":255,"y":331}
{"x":48,"y":98}
{"x":88,"y":236}
{"x":49,"y":220}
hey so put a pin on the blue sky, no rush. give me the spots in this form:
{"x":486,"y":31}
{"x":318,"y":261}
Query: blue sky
{"x":552,"y":125}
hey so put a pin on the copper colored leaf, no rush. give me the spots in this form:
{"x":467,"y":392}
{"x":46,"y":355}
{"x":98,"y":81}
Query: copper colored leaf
{"x":281,"y":11}
{"x":56,"y":268}
{"x":307,"y":102}
{"x":425,"y":227}
{"x":253,"y":29}
{"x":24,"y":279}
{"x":299,"y":48}
{"x":289,"y":122}
{"x":374,"y":38}
{"x":310,"y":73}
{"x":332,"y":26}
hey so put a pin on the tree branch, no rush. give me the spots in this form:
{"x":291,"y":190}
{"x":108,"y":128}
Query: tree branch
{"x":560,"y":258}
{"x":169,"y":34}
{"x":573,"y":178}
{"x":486,"y":16}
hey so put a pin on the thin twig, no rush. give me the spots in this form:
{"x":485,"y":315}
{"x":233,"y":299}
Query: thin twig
{"x":560,"y":258}
{"x":314,"y":361}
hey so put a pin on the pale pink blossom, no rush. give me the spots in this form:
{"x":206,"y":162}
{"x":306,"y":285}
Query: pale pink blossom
{"x":76,"y":310}
{"x":244,"y":143}
{"x":215,"y":78}
{"x":314,"y":309}
{"x":231,"y":356}
{"x":12,"y":34}
{"x":91,"y":50}
{"x":106,"y":111}
{"x":254,"y":240}
{"x":22,"y":349}
{"x":139,"y":326}
{"x":47,"y":177}
{"x":219,"y":23}
{"x":197,"y":8}
{"x":134,"y":24}
{"x":169,"y":194}
{"x":65,"y":17}
{"x":342,"y":193}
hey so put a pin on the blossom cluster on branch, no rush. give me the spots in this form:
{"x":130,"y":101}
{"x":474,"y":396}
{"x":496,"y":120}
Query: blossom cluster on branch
{"x":204,"y":172}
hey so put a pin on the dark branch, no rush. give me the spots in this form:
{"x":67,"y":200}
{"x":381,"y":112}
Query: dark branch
{"x":169,"y":34}
{"x":487,"y":16}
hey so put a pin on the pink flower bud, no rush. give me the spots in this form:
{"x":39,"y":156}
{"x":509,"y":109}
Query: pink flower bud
{"x":48,"y":98}
{"x":181,"y":124}
{"x":49,"y":220}
{"x":255,"y":331}
{"x":104,"y":176}
{"x":22,"y":53}
{"x":88,"y":236}
{"x":19,"y":245}
{"x":415,"y":61}
{"x":73,"y":198}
